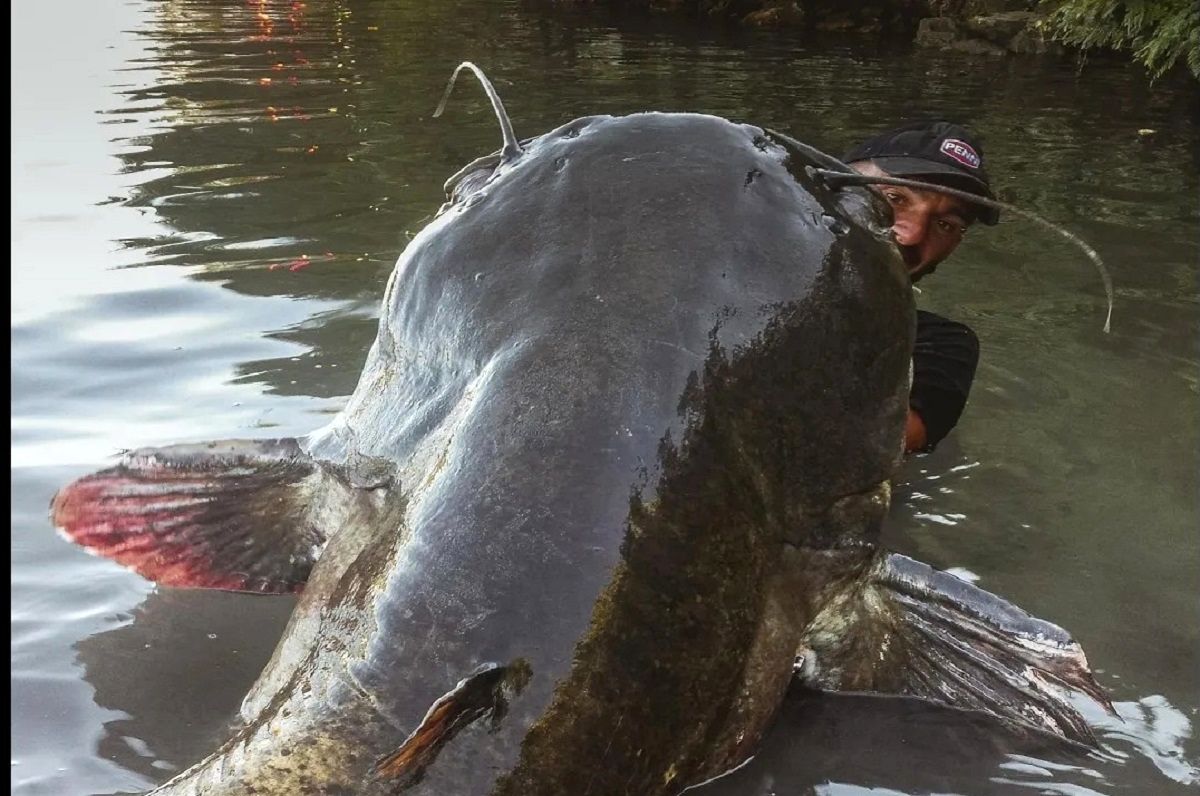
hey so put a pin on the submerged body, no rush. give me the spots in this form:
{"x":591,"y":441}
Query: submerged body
{"x":620,"y":448}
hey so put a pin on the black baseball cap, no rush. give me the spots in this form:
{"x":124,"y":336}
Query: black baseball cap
{"x":939,"y":152}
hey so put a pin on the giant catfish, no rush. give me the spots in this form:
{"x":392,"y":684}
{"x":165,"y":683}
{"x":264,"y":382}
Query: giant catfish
{"x":619,"y":454}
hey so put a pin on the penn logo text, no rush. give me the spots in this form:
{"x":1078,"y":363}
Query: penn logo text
{"x":960,"y":151}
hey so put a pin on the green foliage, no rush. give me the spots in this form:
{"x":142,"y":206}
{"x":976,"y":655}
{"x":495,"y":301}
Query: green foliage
{"x":1159,"y":32}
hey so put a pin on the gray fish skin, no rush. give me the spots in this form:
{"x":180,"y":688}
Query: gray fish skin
{"x":625,"y":388}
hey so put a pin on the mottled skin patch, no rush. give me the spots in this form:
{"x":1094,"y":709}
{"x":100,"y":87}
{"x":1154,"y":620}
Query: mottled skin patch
{"x":692,"y":651}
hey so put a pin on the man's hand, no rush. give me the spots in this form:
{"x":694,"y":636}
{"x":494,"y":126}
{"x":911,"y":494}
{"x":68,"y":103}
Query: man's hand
{"x":914,"y":432}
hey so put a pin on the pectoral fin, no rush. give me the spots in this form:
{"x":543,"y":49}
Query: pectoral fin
{"x":485,"y":692}
{"x":910,"y":629}
{"x":226,"y":515}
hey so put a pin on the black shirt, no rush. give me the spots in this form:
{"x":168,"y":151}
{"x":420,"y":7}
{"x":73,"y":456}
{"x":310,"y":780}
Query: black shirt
{"x":944,"y":358}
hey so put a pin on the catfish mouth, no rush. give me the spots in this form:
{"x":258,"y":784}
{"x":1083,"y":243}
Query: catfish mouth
{"x":473,"y":177}
{"x":484,"y":167}
{"x":469,"y":180}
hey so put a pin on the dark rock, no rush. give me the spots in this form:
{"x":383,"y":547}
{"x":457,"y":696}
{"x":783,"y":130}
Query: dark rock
{"x":939,"y":25}
{"x":867,"y":16}
{"x":980,"y":8}
{"x":1000,"y":29}
{"x":937,"y":32}
{"x":1033,"y":41}
{"x":776,"y":15}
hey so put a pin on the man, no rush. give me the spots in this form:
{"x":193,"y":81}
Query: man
{"x":928,"y":227}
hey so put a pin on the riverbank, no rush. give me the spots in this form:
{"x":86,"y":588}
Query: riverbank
{"x":973,"y":27}
{"x":1160,"y":39}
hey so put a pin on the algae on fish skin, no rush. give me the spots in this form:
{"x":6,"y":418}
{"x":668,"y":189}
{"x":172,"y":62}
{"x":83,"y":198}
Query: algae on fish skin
{"x":667,"y":637}
{"x":687,"y":657}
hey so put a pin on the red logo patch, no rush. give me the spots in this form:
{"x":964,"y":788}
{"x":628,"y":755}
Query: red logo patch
{"x":960,"y":151}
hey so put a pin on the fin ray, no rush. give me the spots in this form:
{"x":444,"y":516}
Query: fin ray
{"x":911,"y":630}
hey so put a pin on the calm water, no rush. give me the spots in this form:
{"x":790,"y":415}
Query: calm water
{"x":208,"y":197}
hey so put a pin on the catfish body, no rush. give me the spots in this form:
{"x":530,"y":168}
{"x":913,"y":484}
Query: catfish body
{"x":620,"y":449}
{"x":618,"y":385}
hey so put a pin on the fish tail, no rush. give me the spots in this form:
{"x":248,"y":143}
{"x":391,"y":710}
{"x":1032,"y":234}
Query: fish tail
{"x":231,"y":515}
{"x":912,"y":630}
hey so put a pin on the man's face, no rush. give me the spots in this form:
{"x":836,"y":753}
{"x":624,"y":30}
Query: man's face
{"x":927,"y":226}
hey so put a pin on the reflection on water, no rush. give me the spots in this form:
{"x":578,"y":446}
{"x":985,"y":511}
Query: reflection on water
{"x":207,"y":210}
{"x":177,"y":669}
{"x":839,"y":744}
{"x":1154,"y":728}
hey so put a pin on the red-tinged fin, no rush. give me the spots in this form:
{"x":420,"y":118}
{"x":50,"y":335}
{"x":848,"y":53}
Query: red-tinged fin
{"x":485,"y":692}
{"x":221,"y":515}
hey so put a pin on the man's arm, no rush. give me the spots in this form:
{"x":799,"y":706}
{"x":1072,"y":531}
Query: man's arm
{"x":914,"y":432}
{"x":945,"y":356}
